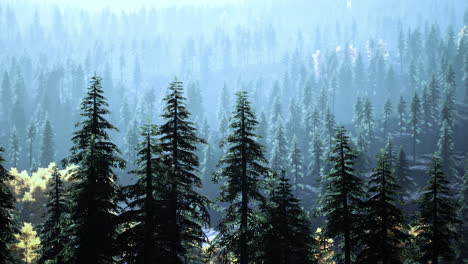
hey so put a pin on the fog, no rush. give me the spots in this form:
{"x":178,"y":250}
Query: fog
{"x":387,"y":71}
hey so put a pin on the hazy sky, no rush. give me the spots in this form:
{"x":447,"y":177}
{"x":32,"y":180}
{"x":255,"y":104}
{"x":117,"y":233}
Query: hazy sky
{"x":131,"y":4}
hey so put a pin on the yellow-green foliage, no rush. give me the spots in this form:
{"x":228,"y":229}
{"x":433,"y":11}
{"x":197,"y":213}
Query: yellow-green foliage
{"x":28,"y":244}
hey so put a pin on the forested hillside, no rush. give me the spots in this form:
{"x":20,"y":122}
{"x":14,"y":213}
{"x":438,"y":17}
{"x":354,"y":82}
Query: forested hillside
{"x":273,"y":132}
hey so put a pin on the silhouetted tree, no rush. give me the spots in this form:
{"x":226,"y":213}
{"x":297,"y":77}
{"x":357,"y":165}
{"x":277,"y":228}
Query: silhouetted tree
{"x":243,"y":168}
{"x":7,"y":209}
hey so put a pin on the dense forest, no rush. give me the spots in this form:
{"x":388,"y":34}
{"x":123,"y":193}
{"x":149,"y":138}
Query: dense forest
{"x":249,"y":132}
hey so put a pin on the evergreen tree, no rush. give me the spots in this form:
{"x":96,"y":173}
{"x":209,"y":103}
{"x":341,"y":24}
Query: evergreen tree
{"x":463,"y":257}
{"x":402,"y":119}
{"x":31,"y":137}
{"x":141,"y":240}
{"x":287,"y":236}
{"x":402,"y":174}
{"x":438,"y":218}
{"x":242,"y":167}
{"x":296,"y":161}
{"x":384,"y":237}
{"x":415,"y":122}
{"x":446,"y":150}
{"x":14,"y":149}
{"x":94,"y":188}
{"x":51,"y":234}
{"x":317,"y":152}
{"x":6,"y":94}
{"x":341,"y":203}
{"x":387,"y":116}
{"x":47,"y":147}
{"x":186,"y":212}
{"x":7,"y":208}
{"x":278,"y":156}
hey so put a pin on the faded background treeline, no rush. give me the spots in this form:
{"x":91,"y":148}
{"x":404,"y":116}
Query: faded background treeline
{"x":393,"y":73}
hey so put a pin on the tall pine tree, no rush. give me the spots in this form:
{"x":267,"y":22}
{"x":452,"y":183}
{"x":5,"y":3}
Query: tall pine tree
{"x":7,"y":207}
{"x":243,"y":168}
{"x":51,"y":234}
{"x":141,"y":219}
{"x":341,"y":203}
{"x":384,"y":236}
{"x":94,"y":187}
{"x":287,"y":235}
{"x":438,"y":220}
{"x":187,"y":213}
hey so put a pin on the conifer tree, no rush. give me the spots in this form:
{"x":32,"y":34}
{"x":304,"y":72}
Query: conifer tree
{"x":296,"y":161}
{"x":387,"y":116}
{"x":31,"y":137}
{"x":446,"y":150}
{"x":14,"y":151}
{"x":141,"y":240}
{"x":402,"y":174}
{"x":186,"y":212}
{"x":94,"y":189}
{"x":438,"y":220}
{"x":463,"y":257}
{"x":317,"y":152}
{"x":6,"y":94}
{"x":287,"y":236}
{"x":278,"y":156}
{"x":243,"y":168}
{"x":47,"y":147}
{"x":402,"y":115}
{"x":384,"y":236}
{"x":7,"y":208}
{"x":342,"y":199}
{"x":415,"y":122}
{"x":50,"y":233}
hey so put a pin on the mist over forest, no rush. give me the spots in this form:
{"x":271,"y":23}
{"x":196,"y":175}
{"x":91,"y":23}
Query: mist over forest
{"x":263,"y":131}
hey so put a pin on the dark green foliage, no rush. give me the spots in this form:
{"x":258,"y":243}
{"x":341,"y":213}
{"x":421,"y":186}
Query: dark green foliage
{"x":387,"y":116}
{"x":186,"y":212}
{"x":341,"y":203}
{"x":141,"y":240}
{"x":384,"y":235}
{"x":438,"y":220}
{"x":47,"y":147}
{"x":402,"y":175}
{"x":94,"y":188}
{"x":464,"y":217}
{"x":7,"y":208}
{"x":415,"y":122}
{"x":287,"y":237}
{"x":278,"y":156}
{"x":52,"y":238}
{"x":402,"y":115}
{"x":14,"y":151}
{"x":243,"y":169}
{"x":296,"y":163}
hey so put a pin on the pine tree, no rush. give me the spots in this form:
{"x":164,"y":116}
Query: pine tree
{"x":278,"y":158}
{"x":51,"y":234}
{"x":141,"y":220}
{"x":438,"y":218}
{"x":463,"y":257}
{"x":6,"y":94}
{"x":402,"y":115}
{"x":384,"y":237}
{"x":446,"y":150}
{"x":368,"y":123}
{"x":187,"y":212}
{"x":94,"y":188}
{"x":243,"y":168}
{"x":31,"y":137}
{"x":287,"y":236}
{"x":387,"y":116}
{"x":415,"y":122}
{"x":47,"y":148}
{"x":402,"y":174}
{"x":344,"y":190}
{"x":296,"y":161}
{"x":14,"y":149}
{"x":317,"y":152}
{"x":7,"y":208}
